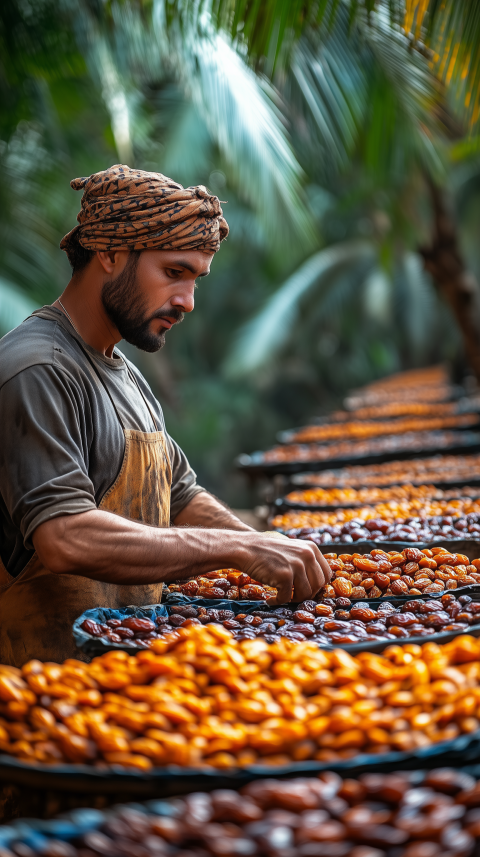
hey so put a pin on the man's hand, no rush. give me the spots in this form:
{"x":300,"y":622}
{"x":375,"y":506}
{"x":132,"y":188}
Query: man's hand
{"x":294,"y":565}
{"x":287,"y":564}
{"x":103,"y":546}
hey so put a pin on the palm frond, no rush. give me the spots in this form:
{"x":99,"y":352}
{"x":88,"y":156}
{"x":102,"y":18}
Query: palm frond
{"x":240,"y":109}
{"x":360,"y":91}
{"x":260,"y":339}
{"x":269,"y":28}
{"x":447,"y":32}
{"x":327,"y":73}
{"x":242,"y":115}
{"x":115,"y":98}
{"x":415,"y":88}
{"x":451,"y":30}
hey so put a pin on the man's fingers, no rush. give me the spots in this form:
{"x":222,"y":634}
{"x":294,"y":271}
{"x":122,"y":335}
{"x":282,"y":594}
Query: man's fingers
{"x":296,"y":564}
{"x":315,"y":568}
{"x":284,"y":586}
{"x":302,"y":587}
{"x":315,"y":577}
{"x":327,"y":571}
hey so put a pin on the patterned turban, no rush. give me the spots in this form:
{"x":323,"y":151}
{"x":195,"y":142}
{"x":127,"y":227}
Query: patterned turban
{"x":132,"y":209}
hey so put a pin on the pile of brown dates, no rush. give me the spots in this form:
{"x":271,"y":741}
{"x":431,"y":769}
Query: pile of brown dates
{"x":443,"y":528}
{"x":224,"y":583}
{"x":130,"y":630}
{"x":332,"y":622}
{"x":339,"y":622}
{"x":379,"y":815}
{"x":410,"y":442}
{"x":436,"y":468}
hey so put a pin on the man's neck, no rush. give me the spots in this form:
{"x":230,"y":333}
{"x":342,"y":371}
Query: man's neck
{"x":82,"y":304}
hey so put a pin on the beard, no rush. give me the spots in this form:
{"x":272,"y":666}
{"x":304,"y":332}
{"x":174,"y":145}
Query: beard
{"x":126,"y":308}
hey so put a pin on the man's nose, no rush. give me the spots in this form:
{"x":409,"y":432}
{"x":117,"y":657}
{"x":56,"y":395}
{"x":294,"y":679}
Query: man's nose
{"x":184,"y":299}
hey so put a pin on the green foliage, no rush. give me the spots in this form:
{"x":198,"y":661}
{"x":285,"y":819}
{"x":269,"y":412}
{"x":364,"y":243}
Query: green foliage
{"x":14,"y":306}
{"x":261,"y":339}
{"x":316,"y":121}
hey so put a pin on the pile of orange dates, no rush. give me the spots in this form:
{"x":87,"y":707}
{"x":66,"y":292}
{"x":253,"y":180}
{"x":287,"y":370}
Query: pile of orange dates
{"x":199,"y":698}
{"x":375,"y":428}
{"x":393,"y":573}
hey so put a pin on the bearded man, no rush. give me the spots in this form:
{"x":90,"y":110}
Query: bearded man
{"x":98,"y":504}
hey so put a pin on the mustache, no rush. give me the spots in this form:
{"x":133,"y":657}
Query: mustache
{"x":176,"y":314}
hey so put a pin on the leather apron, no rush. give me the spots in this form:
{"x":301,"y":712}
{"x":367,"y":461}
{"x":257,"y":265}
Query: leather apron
{"x":38,"y":607}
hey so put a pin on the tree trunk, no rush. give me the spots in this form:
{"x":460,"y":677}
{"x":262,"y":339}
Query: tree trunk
{"x":443,"y":260}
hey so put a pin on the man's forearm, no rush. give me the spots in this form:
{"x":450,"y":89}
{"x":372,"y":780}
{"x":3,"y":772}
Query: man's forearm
{"x":204,"y":510}
{"x":107,"y":547}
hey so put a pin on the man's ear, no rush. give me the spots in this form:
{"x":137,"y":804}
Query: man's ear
{"x":112,"y":261}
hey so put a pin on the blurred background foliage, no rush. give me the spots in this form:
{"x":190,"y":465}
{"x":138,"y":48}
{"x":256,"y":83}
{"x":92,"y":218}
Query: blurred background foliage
{"x":343,"y":135}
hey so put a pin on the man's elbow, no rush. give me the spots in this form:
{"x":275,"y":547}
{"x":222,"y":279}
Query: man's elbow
{"x":53,"y":547}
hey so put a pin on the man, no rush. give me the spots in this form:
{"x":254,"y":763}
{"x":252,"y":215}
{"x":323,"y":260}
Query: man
{"x":90,"y":480}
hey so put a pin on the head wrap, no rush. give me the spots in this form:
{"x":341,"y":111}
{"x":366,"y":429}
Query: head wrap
{"x":133,"y":209}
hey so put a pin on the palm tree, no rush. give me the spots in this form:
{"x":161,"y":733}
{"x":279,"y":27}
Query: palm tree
{"x":146,"y":88}
{"x":280,"y":109}
{"x":371,"y":93}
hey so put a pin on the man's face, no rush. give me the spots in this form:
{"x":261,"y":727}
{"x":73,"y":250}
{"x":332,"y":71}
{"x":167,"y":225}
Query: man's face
{"x":152,"y":292}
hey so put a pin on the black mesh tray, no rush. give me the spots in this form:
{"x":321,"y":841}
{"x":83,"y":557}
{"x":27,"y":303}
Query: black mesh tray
{"x":172,"y":780}
{"x":469,"y":547}
{"x":464,"y":405}
{"x":90,"y":645}
{"x":94,"y":646}
{"x":440,"y":637}
{"x":255,"y":463}
{"x":361,"y":398}
{"x":282,"y":504}
{"x":74,"y":823}
{"x":304,"y":480}
{"x":289,"y":435}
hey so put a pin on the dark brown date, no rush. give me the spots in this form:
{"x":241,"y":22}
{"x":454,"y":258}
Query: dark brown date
{"x":303,"y":616}
{"x":135,"y":624}
{"x":92,"y":628}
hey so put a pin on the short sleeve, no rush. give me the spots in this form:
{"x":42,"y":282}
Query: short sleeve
{"x":184,"y":479}
{"x":44,"y":455}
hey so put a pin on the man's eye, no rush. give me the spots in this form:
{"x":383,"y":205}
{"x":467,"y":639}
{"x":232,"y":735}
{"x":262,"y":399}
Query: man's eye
{"x":173,"y":273}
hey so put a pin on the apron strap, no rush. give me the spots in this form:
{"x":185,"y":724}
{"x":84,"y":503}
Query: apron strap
{"x":132,"y":376}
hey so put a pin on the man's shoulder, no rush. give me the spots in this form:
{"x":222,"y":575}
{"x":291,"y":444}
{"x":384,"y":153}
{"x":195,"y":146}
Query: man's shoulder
{"x":35,"y":342}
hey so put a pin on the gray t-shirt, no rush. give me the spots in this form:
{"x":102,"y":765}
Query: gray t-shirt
{"x":61,"y":441}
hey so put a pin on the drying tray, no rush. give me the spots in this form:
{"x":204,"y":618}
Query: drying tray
{"x":306,"y":480}
{"x":95,"y":646}
{"x":282,"y":504}
{"x":469,"y":547}
{"x":290,"y":435}
{"x":173,"y":780}
{"x":465,"y":405}
{"x":256,"y":465}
